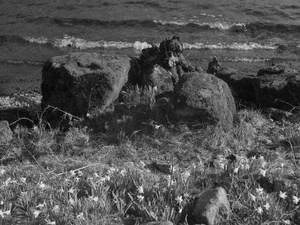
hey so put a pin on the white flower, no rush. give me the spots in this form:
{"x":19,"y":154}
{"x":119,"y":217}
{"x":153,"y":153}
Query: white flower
{"x":253,"y":198}
{"x":282,"y":195}
{"x":4,"y":213}
{"x":36,"y":213}
{"x":296,"y":200}
{"x":23,"y":179}
{"x":140,"y":198}
{"x":180,"y":210}
{"x":95,"y":199}
{"x":156,"y":127}
{"x":80,"y":216}
{"x":72,"y":201}
{"x":42,"y":185}
{"x":142,"y":164}
{"x":286,"y":222}
{"x":140,"y":189}
{"x":111,"y":170}
{"x":96,"y":175}
{"x":49,"y":222}
{"x":2,"y":172}
{"x":41,"y":205}
{"x":259,"y":191}
{"x":267,"y":206}
{"x":56,"y":209}
{"x":262,"y":172}
{"x":236,"y":170}
{"x":259,"y":210}
{"x":123,"y":172}
{"x":71,"y":190}
{"x":179,"y":199}
{"x":186,"y":175}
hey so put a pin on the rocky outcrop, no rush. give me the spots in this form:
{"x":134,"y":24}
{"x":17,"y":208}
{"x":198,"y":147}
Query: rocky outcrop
{"x":278,"y":90}
{"x":205,"y":207}
{"x":81,"y":82}
{"x":203,"y":98}
{"x":6,"y":135}
{"x":276,"y":86}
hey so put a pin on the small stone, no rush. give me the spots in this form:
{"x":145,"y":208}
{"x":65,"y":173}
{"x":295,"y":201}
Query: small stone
{"x":205,"y":207}
{"x":6,"y":135}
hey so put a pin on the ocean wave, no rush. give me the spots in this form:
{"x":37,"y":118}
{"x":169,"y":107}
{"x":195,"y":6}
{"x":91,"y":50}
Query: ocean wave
{"x":233,"y":46}
{"x":190,"y":25}
{"x":69,"y":41}
{"x":206,"y":25}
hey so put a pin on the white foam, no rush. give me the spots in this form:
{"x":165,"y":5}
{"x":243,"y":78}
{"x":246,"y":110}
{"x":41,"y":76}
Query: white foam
{"x":69,"y":41}
{"x":213,"y":25}
{"x":233,"y":46}
{"x":39,"y":40}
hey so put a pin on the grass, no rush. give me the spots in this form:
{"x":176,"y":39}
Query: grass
{"x":83,"y":176}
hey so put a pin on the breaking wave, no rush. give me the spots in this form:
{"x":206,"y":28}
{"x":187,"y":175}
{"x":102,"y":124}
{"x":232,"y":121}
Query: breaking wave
{"x":73,"y":42}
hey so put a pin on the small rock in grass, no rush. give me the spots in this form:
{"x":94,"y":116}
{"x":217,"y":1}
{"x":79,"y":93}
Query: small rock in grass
{"x":6,"y":135}
{"x":205,"y":207}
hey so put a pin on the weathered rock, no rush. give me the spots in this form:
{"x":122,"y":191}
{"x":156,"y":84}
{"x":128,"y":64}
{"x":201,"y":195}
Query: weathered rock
{"x":274,"y":87}
{"x":203,"y":98}
{"x":276,"y":69}
{"x":277,"y":90}
{"x":80,"y":82}
{"x":241,"y":85}
{"x":205,"y":207}
{"x":6,"y":135}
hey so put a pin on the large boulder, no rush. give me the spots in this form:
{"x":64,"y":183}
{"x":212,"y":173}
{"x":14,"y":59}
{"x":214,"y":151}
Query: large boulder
{"x":6,"y":135}
{"x":80,"y":82}
{"x":203,"y":98}
{"x":205,"y":207}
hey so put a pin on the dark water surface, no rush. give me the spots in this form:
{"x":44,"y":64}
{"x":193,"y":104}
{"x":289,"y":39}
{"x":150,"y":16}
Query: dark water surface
{"x":245,"y":34}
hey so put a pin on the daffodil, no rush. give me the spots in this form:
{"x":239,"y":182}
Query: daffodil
{"x":80,"y":216}
{"x":262,"y":172}
{"x":179,"y":199}
{"x":259,"y":191}
{"x":36,"y":213}
{"x":140,"y":198}
{"x":288,"y":222}
{"x":123,"y":172}
{"x":140,"y":189}
{"x":4,"y":213}
{"x":253,"y":198}
{"x":259,"y":210}
{"x":282,"y":195}
{"x":296,"y":200}
{"x":267,"y":206}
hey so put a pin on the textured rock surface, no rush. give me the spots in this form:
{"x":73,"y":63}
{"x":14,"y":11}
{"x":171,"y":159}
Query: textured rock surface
{"x":205,"y":207}
{"x":79,"y":82}
{"x":202,"y":97}
{"x":6,"y":134}
{"x":278,"y":90}
{"x":274,"y":87}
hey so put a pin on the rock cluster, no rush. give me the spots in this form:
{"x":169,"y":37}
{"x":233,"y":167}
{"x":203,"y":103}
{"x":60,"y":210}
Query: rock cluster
{"x":79,"y":83}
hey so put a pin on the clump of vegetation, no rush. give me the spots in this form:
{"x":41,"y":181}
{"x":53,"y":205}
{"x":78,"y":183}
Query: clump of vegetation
{"x":82,"y":177}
